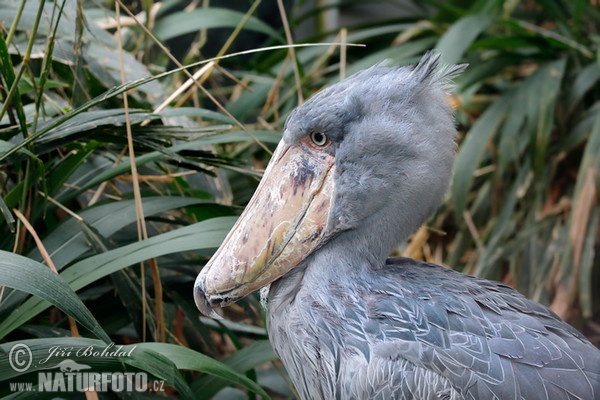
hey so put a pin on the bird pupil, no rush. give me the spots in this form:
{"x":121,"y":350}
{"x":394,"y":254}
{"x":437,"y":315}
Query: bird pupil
{"x":318,"y":138}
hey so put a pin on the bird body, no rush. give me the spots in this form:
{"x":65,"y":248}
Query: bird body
{"x":420,"y":331}
{"x":361,"y":165}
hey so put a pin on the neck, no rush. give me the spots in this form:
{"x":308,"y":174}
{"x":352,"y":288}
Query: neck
{"x":345,"y":260}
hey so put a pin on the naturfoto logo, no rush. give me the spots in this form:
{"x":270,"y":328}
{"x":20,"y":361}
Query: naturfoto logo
{"x":58,"y":371}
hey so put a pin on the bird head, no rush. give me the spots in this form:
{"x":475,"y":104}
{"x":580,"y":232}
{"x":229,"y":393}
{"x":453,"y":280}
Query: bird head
{"x":368,"y":158}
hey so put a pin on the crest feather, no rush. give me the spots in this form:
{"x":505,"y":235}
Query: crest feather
{"x":429,"y":71}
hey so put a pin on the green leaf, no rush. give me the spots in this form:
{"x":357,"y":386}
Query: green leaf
{"x":68,"y":241}
{"x":23,"y":274}
{"x":241,"y":361}
{"x":161,"y":366}
{"x":545,"y":90}
{"x":472,"y":150}
{"x":104,"y":63}
{"x":195,"y":112}
{"x":212,"y":139}
{"x":5,"y":146}
{"x":185,"y":358}
{"x":453,"y":44}
{"x":182,"y":23}
{"x":71,"y":239}
{"x":502,"y":226}
{"x":530,"y":118}
{"x":90,"y":120}
{"x":203,"y":235}
{"x":585,"y":80}
{"x":65,"y":169}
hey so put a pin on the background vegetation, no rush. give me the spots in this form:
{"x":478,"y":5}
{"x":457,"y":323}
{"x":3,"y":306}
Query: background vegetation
{"x":119,"y":177}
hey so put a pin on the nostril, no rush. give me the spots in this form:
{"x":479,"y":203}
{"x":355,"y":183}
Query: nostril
{"x":202,"y":301}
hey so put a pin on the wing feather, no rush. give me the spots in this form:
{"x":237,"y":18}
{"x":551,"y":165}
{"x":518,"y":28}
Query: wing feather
{"x":421,"y":331}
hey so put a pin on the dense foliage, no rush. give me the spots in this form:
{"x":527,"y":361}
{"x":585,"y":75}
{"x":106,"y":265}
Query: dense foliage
{"x":119,"y":176}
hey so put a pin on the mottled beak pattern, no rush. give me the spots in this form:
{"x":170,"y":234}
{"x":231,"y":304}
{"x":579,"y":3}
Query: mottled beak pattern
{"x":285,"y":221}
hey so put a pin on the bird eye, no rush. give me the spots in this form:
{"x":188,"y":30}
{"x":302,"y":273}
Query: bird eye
{"x":318,"y":138}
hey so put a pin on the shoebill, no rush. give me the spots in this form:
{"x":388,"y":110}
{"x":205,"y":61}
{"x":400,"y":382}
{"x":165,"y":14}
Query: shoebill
{"x":362,"y":165}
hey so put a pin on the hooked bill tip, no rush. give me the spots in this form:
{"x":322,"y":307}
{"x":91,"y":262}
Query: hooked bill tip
{"x":202,"y":302}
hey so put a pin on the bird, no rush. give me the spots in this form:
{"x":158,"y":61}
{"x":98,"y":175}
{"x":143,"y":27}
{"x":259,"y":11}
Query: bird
{"x":361,"y":165}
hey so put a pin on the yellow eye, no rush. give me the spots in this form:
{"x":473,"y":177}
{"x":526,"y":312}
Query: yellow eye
{"x":318,"y":138}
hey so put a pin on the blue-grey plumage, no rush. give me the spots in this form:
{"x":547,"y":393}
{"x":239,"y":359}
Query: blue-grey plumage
{"x":361,"y":165}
